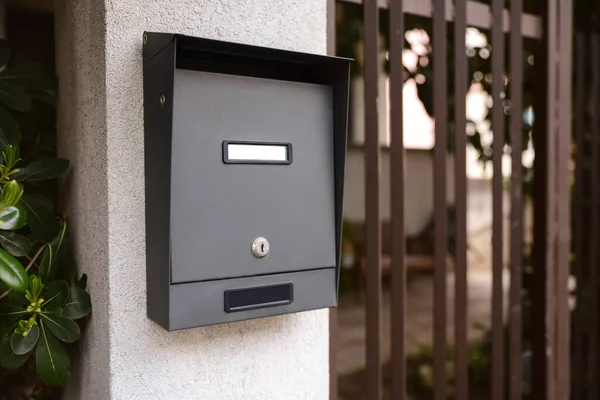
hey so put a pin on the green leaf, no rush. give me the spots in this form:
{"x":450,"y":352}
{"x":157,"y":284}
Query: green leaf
{"x":68,"y":266}
{"x":63,"y":328}
{"x":22,"y":345}
{"x":55,"y":256}
{"x":55,"y":295}
{"x":7,"y":329}
{"x":4,"y":52}
{"x":48,"y":98}
{"x":13,"y":306}
{"x":12,"y":310}
{"x":82,"y":282}
{"x":11,"y":155}
{"x":8,"y":359}
{"x":40,"y":218}
{"x":15,"y":97}
{"x":42,"y":169}
{"x":11,"y":193}
{"x":79,"y":304}
{"x":25,"y":325}
{"x":29,"y":76}
{"x":44,"y":201}
{"x":12,"y":272}
{"x":51,"y":360}
{"x":10,"y":132}
{"x":10,"y":314}
{"x":17,"y":298}
{"x":35,"y":287}
{"x":60,"y":246}
{"x":13,"y":217}
{"x":15,"y":244}
{"x":47,"y":269}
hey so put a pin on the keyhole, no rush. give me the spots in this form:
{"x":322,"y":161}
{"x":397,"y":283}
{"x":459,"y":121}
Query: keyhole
{"x":260,"y":247}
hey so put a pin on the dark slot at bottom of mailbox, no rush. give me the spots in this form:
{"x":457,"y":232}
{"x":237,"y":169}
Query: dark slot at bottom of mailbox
{"x":258,"y":297}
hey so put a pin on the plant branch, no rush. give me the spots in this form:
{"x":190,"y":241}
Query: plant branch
{"x":7,"y":292}
{"x":35,"y":257}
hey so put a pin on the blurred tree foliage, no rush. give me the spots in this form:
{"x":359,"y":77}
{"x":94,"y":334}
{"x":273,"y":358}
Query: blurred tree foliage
{"x":349,"y":32}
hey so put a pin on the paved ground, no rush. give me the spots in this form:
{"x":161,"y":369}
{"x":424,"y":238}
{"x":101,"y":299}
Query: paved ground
{"x":351,"y":318}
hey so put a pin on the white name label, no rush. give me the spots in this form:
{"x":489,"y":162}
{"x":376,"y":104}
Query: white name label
{"x":257,"y":152}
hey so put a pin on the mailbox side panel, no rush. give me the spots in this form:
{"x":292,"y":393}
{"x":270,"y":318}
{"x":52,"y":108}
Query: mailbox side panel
{"x":158,"y":80}
{"x":340,"y":97}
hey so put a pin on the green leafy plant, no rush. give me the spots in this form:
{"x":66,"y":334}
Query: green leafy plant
{"x":41,"y":294}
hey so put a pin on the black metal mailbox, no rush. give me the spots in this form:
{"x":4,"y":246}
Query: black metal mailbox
{"x":244,"y":159}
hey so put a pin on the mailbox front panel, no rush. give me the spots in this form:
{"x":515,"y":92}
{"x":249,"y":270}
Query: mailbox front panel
{"x":251,"y":157}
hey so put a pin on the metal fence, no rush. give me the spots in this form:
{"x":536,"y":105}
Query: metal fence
{"x":551,"y":25}
{"x":586,"y":197}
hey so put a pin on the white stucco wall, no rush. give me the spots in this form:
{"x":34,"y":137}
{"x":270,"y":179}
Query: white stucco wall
{"x":124,"y":355}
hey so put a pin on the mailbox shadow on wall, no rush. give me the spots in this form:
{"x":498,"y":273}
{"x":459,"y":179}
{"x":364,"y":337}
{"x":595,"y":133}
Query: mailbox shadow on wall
{"x":244,"y":159}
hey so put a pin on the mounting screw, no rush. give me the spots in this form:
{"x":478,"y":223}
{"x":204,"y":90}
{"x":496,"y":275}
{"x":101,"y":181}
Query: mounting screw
{"x":145,"y":39}
{"x":162,"y":100}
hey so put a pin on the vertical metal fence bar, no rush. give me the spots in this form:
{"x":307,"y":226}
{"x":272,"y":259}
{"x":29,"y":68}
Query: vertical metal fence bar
{"x":578,"y":236}
{"x":497,"y":194}
{"x":516,"y":201}
{"x":594,"y":335}
{"x":460,"y":173}
{"x":541,"y":205}
{"x":563,"y":167}
{"x":440,"y":90}
{"x":372,"y":174}
{"x":333,"y":320}
{"x":398,"y":295}
{"x":551,"y":194}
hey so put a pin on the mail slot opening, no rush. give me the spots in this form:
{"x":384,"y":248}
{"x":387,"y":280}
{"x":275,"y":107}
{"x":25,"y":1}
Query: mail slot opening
{"x":257,"y":153}
{"x":258,"y":297}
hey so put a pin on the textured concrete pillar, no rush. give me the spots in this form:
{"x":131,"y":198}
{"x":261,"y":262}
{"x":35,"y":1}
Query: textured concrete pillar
{"x":124,"y":355}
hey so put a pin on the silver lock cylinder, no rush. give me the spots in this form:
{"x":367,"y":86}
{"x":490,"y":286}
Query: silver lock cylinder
{"x":260,"y":247}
